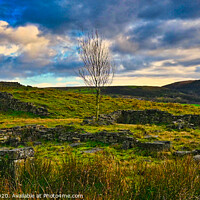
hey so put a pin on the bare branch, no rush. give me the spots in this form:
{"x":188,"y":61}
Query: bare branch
{"x":98,"y":70}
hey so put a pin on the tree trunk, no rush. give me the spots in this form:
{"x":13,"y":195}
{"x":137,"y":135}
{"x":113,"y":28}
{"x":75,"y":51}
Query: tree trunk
{"x":97,"y":103}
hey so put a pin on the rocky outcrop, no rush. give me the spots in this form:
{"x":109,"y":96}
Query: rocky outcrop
{"x":147,"y":117}
{"x":7,"y":102}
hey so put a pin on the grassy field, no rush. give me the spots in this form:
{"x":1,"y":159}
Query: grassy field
{"x":112,"y":173}
{"x":67,"y":104}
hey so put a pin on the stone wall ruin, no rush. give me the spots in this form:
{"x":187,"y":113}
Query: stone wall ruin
{"x":153,"y":116}
{"x":8,"y":102}
{"x":20,"y":135}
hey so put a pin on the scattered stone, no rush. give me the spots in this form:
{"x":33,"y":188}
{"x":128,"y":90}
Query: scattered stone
{"x":182,"y":153}
{"x":147,"y":160}
{"x":150,"y":136}
{"x":197,"y":158}
{"x":76,"y":144}
{"x":93,"y":150}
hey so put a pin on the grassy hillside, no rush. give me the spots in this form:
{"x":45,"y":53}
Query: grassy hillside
{"x":188,"y":87}
{"x":68,"y":104}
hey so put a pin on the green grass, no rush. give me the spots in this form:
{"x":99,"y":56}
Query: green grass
{"x":196,"y":104}
{"x":113,"y":173}
{"x":105,"y":178}
{"x":67,"y":104}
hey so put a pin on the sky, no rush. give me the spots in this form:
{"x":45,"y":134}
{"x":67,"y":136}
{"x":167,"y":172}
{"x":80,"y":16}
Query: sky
{"x":152,"y":42}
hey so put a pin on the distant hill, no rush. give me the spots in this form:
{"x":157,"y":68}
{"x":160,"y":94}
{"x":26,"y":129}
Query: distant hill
{"x":188,"y":87}
{"x":158,"y":94}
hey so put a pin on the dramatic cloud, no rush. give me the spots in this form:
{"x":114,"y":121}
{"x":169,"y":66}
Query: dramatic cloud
{"x":150,"y":40}
{"x":25,"y":51}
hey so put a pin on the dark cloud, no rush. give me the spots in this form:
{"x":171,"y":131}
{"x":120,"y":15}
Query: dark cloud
{"x":137,"y":28}
{"x":61,"y":16}
{"x":12,"y":67}
{"x":169,"y":9}
{"x":188,"y":63}
{"x":181,"y":38}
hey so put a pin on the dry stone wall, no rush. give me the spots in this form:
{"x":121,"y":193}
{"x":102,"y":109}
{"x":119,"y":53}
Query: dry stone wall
{"x":156,"y":117}
{"x":7,"y":102}
{"x":10,"y":84}
{"x":20,"y":135}
{"x":17,"y":154}
{"x":146,"y":117}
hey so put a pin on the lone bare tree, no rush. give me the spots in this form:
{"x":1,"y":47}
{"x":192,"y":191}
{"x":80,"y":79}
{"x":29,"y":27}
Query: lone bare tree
{"x":98,"y":69}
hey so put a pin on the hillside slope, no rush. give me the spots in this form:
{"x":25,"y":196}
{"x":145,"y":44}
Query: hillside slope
{"x":70,"y":104}
{"x":189,"y":87}
{"x":157,"y":94}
